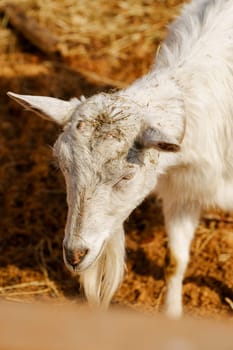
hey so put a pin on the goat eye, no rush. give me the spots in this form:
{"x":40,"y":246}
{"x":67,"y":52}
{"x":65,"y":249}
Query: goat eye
{"x":127,"y":177}
{"x":123,"y":180}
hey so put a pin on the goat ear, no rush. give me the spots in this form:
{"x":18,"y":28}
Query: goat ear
{"x":49,"y":108}
{"x":155,"y":138}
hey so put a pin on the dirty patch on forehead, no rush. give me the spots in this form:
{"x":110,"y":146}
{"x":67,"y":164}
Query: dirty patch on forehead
{"x":98,"y":134}
{"x":107,"y":125}
{"x":95,"y":143}
{"x":106,"y":113}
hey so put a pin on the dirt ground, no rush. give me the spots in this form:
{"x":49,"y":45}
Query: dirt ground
{"x":32,"y":192}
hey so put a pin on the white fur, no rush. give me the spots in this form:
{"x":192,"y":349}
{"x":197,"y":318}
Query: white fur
{"x":181,"y":116}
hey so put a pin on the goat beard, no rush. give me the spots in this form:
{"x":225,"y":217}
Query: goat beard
{"x":101,"y":280}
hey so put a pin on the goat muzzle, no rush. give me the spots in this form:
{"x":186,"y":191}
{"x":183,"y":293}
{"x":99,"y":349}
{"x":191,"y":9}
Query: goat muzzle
{"x":75,"y":257}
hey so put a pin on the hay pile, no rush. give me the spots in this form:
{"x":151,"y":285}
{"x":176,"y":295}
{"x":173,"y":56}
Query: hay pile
{"x":101,"y":36}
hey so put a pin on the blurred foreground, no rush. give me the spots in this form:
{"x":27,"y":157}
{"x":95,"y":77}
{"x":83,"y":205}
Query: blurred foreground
{"x":26,"y":327}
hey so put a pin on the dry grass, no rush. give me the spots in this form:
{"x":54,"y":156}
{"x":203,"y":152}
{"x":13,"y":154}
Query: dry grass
{"x":99,"y":37}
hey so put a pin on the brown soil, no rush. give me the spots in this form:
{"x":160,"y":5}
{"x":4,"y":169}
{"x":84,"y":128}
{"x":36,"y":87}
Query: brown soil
{"x":32,"y":194}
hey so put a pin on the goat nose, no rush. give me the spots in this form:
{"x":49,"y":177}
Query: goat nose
{"x":74,"y":257}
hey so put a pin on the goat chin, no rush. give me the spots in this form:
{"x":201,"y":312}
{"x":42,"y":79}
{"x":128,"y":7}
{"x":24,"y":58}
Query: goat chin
{"x":100,"y":281}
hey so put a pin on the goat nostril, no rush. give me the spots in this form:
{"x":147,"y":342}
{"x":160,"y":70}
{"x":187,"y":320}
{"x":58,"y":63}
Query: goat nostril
{"x":74,"y":257}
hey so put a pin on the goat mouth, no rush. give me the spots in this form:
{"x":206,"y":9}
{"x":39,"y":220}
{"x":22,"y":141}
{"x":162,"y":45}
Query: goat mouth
{"x":80,"y":268}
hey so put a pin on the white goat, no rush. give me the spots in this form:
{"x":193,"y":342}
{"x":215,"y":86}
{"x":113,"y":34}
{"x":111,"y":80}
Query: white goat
{"x":170,"y":131}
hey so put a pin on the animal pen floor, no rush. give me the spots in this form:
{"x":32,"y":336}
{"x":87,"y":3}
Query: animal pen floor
{"x":32,"y":193}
